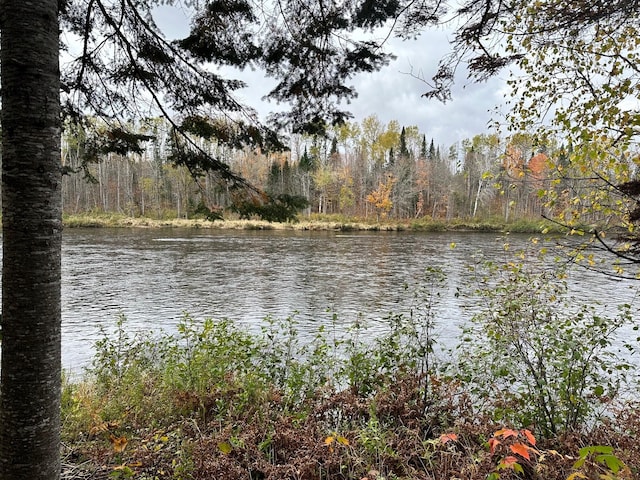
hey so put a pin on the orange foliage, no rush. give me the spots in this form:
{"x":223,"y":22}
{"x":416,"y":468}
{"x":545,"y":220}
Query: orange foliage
{"x":448,"y":437}
{"x":381,"y":198}
{"x":513,"y":163}
{"x":537,"y":166}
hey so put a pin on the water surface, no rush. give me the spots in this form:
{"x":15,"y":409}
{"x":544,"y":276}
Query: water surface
{"x":154,"y":276}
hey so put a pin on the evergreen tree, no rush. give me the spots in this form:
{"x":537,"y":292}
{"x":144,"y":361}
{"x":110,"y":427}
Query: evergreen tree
{"x":432,"y":151}
{"x":334,"y":147}
{"x":423,"y":147}
{"x":307,"y":163}
{"x":404,"y":151}
{"x":274,"y":180}
{"x":286,"y":178}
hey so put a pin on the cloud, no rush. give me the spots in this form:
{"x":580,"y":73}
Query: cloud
{"x":392,"y":93}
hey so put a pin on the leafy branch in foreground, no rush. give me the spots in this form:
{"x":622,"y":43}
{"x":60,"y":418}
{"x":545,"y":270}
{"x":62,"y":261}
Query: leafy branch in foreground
{"x":574,"y":79}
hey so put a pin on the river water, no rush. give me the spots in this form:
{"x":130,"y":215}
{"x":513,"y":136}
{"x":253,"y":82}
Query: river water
{"x":155,"y":276}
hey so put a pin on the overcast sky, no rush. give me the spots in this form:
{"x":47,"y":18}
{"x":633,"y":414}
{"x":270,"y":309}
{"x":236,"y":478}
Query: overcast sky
{"x":393,"y":94}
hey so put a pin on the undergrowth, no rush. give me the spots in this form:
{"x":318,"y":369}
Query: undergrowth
{"x":215,"y":400}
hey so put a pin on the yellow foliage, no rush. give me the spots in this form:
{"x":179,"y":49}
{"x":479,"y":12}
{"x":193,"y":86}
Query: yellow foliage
{"x":381,"y":197}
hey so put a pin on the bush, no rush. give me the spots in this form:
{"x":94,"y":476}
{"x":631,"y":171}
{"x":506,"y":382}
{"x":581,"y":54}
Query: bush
{"x":535,"y":357}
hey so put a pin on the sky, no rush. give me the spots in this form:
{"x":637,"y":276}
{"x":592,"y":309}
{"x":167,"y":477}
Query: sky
{"x":391,"y":93}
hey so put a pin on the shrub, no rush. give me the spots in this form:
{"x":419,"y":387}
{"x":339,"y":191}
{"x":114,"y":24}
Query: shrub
{"x":536,"y":357}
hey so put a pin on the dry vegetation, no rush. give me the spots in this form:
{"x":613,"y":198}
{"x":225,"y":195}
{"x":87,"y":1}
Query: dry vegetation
{"x":339,"y":436}
{"x":312,"y":222}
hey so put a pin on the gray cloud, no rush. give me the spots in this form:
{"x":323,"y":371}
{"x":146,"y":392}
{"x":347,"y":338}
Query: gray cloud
{"x":392,"y":93}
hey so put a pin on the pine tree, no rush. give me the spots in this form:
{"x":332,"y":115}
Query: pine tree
{"x":307,"y":163}
{"x":404,"y":151}
{"x":423,"y":147}
{"x":334,"y":147}
{"x":432,"y":151}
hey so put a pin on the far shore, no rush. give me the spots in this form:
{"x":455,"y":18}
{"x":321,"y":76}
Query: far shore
{"x":315,"y":222}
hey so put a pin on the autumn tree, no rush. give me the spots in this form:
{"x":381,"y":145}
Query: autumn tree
{"x":380,"y":198}
{"x":578,"y":80}
{"x":520,"y":177}
{"x":372,"y":149}
{"x":480,"y":160}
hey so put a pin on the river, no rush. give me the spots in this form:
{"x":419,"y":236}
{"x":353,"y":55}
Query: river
{"x":155,"y":276}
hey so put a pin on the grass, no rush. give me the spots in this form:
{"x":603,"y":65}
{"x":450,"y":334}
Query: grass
{"x":311,"y":222}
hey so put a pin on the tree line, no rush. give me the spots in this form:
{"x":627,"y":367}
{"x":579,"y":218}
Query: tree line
{"x":365,"y":169}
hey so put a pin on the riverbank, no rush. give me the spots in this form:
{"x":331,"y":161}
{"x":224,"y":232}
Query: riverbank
{"x":313,"y":222}
{"x":169,"y":408}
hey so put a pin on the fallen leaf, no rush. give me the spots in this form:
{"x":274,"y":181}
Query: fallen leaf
{"x":119,"y":443}
{"x":448,"y":437}
{"x":225,"y":447}
{"x":575,"y":475}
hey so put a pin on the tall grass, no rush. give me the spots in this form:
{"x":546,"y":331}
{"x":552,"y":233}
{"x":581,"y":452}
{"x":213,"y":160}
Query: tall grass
{"x":311,"y":222}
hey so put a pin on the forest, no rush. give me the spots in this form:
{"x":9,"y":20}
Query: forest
{"x":364,"y":170}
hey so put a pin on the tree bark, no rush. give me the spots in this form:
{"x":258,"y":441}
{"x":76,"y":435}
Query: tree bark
{"x":32,"y":231}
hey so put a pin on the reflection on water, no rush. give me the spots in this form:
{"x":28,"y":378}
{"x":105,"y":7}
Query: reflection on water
{"x":154,"y":276}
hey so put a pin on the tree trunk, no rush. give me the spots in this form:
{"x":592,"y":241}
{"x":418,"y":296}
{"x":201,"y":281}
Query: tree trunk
{"x":32,"y":231}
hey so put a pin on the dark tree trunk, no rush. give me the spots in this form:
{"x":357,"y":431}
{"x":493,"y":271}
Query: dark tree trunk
{"x":32,"y":231}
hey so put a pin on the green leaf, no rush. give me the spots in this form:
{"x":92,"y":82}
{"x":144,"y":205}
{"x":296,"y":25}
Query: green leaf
{"x":612,"y":462}
{"x":225,"y":447}
{"x":579,"y":463}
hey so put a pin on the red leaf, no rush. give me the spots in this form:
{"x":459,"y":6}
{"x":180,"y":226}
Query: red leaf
{"x":493,"y":443}
{"x":520,"y":449}
{"x":506,"y":433}
{"x":448,"y":437}
{"x":530,"y":437}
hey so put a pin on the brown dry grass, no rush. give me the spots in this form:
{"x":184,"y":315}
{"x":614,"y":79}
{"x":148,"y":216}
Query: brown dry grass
{"x":390,"y":435}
